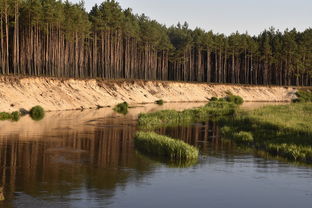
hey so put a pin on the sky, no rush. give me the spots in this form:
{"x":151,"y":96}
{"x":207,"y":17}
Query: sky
{"x":224,"y":16}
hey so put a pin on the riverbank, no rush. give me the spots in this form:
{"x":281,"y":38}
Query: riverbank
{"x":285,"y":130}
{"x":68,"y":94}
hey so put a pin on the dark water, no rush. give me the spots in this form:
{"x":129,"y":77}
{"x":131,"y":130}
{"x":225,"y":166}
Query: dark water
{"x":87,"y":160}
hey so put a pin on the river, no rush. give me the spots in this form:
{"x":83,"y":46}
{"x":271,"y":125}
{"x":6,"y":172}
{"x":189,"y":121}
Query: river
{"x":87,"y":159}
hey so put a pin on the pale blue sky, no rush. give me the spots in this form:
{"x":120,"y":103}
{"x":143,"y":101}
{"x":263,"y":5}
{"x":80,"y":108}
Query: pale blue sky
{"x":225,"y":16}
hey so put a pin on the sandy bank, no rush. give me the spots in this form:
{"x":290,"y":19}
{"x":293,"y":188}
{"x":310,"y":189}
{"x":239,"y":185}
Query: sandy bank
{"x":55,"y":94}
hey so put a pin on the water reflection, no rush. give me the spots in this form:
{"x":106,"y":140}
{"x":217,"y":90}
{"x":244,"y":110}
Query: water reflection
{"x":87,"y":159}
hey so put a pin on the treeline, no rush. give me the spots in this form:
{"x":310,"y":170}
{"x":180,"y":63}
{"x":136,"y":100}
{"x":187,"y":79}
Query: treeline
{"x":55,"y":38}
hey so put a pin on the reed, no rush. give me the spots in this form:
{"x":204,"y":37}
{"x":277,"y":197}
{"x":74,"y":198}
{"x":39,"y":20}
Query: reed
{"x":164,"y":147}
{"x":284,"y":130}
{"x":171,"y":118}
{"x":303,"y":96}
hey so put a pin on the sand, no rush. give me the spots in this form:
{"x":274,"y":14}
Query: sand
{"x":68,"y":94}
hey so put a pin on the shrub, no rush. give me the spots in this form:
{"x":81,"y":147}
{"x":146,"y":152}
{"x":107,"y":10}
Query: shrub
{"x":15,"y":116}
{"x":234,"y":99}
{"x":122,"y":108}
{"x":37,"y":113}
{"x":214,"y":99}
{"x":243,"y":137}
{"x":163,"y":146}
{"x":303,"y":96}
{"x":5,"y":116}
{"x":226,"y":131}
{"x":159,"y":102}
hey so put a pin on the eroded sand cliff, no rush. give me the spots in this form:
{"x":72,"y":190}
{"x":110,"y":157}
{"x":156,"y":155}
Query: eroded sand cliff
{"x":56,"y":94}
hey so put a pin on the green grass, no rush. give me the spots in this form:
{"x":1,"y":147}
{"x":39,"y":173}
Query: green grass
{"x":243,"y":137}
{"x":5,"y":116}
{"x":164,"y":147}
{"x":175,"y":150}
{"x":171,"y":118}
{"x":282,"y":130}
{"x":37,"y":113}
{"x":234,"y":99}
{"x":14,"y":116}
{"x":303,"y":96}
{"x":159,"y":102}
{"x":214,"y":99}
{"x":122,"y":108}
{"x":291,"y":152}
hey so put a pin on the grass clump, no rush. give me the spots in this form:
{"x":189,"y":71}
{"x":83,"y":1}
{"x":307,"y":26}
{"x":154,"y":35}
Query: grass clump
{"x":37,"y":113}
{"x":164,"y":147}
{"x":234,"y":99}
{"x":14,"y":116}
{"x":5,"y":116}
{"x":303,"y":96}
{"x":213,"y":99}
{"x":171,"y":118}
{"x":159,"y":102}
{"x":122,"y":108}
{"x":226,"y":131}
{"x":284,"y":130}
{"x":291,"y":152}
{"x":243,"y":137}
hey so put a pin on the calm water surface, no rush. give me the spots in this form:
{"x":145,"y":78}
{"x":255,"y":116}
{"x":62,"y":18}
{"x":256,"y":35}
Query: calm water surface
{"x":86,"y":159}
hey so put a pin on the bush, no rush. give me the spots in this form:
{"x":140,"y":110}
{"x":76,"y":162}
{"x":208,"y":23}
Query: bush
{"x":159,"y":102}
{"x":5,"y":116}
{"x":37,"y":113}
{"x":226,"y":131}
{"x":15,"y":116}
{"x":303,"y":96}
{"x":243,"y":137}
{"x":214,"y":99}
{"x":122,"y":108}
{"x":163,"y":146}
{"x":234,"y":99}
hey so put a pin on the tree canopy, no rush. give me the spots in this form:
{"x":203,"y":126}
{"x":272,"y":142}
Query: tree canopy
{"x":59,"y":38}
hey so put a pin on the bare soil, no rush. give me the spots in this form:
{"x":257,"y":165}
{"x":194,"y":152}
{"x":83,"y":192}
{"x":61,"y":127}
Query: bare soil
{"x":68,"y":94}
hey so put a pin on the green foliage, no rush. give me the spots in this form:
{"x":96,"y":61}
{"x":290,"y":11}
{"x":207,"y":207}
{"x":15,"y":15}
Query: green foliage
{"x":234,"y":99}
{"x":165,"y":147}
{"x":303,"y":96}
{"x":167,"y":118}
{"x":291,"y":152}
{"x":214,"y":99}
{"x":226,"y":131}
{"x":243,"y":137}
{"x":14,"y":116}
{"x":159,"y":102}
{"x":88,"y":40}
{"x":122,"y":108}
{"x":5,"y":116}
{"x":37,"y":113}
{"x":284,"y":130}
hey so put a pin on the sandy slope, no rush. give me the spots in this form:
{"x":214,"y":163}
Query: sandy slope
{"x":55,"y":94}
